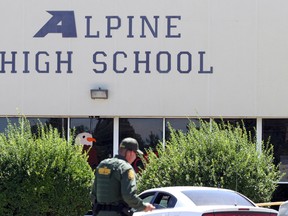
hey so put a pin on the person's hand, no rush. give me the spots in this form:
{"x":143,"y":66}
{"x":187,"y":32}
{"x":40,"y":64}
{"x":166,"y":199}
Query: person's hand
{"x":149,"y":207}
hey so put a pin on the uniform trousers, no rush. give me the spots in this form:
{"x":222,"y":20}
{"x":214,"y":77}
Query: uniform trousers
{"x":108,"y":213}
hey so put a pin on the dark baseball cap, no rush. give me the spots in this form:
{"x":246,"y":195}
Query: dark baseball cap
{"x":130,"y":144}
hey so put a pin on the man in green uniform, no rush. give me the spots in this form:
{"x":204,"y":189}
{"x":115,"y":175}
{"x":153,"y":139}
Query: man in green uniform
{"x":114,"y":188}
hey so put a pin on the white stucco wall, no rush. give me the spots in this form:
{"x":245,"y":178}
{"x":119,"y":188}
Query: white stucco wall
{"x":245,"y":41}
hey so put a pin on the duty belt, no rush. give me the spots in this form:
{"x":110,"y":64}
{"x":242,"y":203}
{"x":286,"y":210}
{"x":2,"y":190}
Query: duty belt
{"x":106,"y":207}
{"x":122,"y":209}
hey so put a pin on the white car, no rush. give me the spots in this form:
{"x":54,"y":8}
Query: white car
{"x":200,"y":201}
{"x":283,"y":209}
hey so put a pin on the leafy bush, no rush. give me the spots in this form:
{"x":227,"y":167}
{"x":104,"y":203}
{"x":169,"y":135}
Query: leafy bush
{"x":42,"y":174}
{"x":215,"y":155}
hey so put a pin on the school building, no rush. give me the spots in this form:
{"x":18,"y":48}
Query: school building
{"x":112,"y":69}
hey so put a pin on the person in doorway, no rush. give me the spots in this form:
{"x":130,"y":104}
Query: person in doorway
{"x":114,"y":189}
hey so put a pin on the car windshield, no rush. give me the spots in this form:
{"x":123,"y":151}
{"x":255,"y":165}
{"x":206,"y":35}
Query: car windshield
{"x":216,"y":197}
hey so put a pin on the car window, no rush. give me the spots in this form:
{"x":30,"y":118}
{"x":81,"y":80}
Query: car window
{"x":164,"y":200}
{"x":216,"y":197}
{"x":147,"y":197}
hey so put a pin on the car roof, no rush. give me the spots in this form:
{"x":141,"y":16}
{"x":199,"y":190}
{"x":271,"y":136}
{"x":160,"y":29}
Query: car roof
{"x":184,"y":188}
{"x":179,"y":189}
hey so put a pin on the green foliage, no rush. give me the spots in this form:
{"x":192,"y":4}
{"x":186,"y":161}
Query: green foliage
{"x":42,"y":174}
{"x":214,"y":155}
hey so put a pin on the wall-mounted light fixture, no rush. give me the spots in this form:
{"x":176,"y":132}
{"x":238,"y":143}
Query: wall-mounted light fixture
{"x":99,"y":93}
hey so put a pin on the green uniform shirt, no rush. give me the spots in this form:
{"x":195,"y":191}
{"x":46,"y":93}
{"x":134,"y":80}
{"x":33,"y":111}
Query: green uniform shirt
{"x":115,"y":181}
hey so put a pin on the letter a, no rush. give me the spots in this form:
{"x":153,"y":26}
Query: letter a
{"x":60,"y":22}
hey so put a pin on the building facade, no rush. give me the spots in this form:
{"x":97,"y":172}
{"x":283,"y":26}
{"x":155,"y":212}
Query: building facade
{"x":148,"y":63}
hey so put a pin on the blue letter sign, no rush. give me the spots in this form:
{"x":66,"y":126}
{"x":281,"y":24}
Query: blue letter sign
{"x":67,"y":27}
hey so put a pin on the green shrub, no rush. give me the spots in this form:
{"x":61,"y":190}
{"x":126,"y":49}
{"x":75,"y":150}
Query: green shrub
{"x":42,"y":174}
{"x":215,"y":155}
